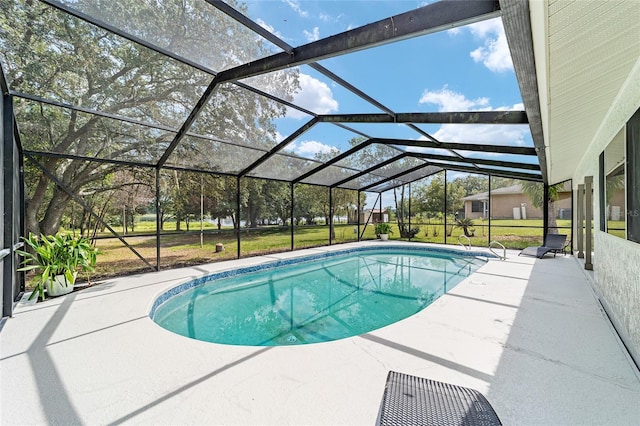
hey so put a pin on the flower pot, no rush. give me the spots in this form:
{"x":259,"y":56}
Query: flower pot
{"x":384,"y":237}
{"x":59,"y":285}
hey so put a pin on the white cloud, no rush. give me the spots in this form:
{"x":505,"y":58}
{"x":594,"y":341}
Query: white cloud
{"x":450,"y":101}
{"x":486,"y":28}
{"x":493,"y":134}
{"x":315,"y":96}
{"x":295,"y":5}
{"x":312,"y":36}
{"x":265,"y":25}
{"x":494,"y":53}
{"x":268,"y":27}
{"x":309,"y":149}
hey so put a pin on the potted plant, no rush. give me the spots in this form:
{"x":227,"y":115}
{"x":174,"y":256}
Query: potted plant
{"x":383,"y":229}
{"x":57,"y":260}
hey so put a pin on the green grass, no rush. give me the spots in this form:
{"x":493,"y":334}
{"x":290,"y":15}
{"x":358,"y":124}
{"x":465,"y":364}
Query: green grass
{"x":184,"y":249}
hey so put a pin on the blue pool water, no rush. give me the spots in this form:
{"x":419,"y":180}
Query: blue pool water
{"x":326,"y":298}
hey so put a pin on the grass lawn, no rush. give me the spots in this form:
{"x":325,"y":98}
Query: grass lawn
{"x":184,"y":249}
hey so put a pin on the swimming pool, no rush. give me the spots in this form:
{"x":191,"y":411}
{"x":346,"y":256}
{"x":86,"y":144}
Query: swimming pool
{"x":312,"y":299}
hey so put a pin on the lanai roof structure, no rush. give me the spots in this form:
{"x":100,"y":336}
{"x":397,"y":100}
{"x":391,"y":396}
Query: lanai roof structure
{"x":389,"y":147}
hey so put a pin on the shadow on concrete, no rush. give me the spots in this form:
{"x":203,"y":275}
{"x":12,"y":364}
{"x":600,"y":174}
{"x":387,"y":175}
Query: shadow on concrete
{"x":428,"y":357}
{"x":54,"y":398}
{"x":187,"y":386}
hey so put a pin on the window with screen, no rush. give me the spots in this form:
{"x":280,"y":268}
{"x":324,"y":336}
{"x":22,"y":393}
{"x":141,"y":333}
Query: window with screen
{"x":619,"y":175}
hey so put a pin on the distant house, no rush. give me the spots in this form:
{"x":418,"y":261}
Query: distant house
{"x":376,"y":216}
{"x":511,"y":202}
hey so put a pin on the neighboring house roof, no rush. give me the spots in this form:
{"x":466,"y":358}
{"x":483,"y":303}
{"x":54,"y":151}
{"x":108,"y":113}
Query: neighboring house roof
{"x":513,"y":189}
{"x":508,"y":190}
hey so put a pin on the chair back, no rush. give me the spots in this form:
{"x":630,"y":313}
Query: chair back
{"x":555,"y":241}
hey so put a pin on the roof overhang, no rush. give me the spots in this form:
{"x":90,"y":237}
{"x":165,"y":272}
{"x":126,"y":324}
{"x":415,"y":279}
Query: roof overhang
{"x":585,"y":54}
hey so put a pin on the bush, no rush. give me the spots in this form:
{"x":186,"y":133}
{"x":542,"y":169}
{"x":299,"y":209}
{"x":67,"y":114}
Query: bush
{"x":383,"y":228}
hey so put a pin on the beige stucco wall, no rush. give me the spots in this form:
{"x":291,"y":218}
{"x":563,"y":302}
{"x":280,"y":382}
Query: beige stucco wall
{"x":616,"y":261}
{"x":617,"y":274}
{"x":502,"y":206}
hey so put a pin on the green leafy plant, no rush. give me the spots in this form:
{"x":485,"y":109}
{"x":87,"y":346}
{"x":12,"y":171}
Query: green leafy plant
{"x":56,"y":255}
{"x":383,"y":228}
{"x":414,"y":231}
{"x":467,"y":226}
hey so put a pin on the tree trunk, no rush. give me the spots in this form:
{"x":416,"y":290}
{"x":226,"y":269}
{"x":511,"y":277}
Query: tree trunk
{"x":33,"y":204}
{"x":50,"y":224}
{"x":162,"y":219}
{"x":553,"y":224}
{"x":178,"y":220}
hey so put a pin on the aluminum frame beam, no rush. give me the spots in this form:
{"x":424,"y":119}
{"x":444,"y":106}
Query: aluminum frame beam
{"x":471,"y":117}
{"x":481,"y":161}
{"x":370,"y":169}
{"x":516,"y":20}
{"x":492,"y":172}
{"x":428,"y":157}
{"x":443,"y":167}
{"x":428,"y":19}
{"x":498,"y":149}
{"x":279,"y":146}
{"x":7,"y":259}
{"x":334,"y":160}
{"x":396,"y":176}
{"x":193,"y":115}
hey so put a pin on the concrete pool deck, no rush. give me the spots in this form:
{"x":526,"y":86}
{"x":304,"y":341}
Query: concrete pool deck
{"x":527,"y":333}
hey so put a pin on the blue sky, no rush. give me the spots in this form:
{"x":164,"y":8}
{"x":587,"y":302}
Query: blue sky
{"x":464,"y":69}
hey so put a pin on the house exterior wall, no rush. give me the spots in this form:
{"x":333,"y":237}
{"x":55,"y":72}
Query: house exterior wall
{"x":376,"y":217}
{"x":468,"y":211}
{"x":563,"y":202}
{"x":502,"y":206}
{"x":616,"y":261}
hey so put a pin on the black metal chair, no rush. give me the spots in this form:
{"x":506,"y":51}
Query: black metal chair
{"x":553,"y":243}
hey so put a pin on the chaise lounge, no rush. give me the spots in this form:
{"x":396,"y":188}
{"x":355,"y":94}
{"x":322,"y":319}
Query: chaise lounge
{"x":553,"y":243}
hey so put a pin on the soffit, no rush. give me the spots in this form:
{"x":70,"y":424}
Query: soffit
{"x":592,"y":47}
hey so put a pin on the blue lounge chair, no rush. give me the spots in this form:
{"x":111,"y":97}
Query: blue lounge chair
{"x":554,"y":243}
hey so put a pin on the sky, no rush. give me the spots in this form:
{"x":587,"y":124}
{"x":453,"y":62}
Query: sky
{"x":463,"y":69}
